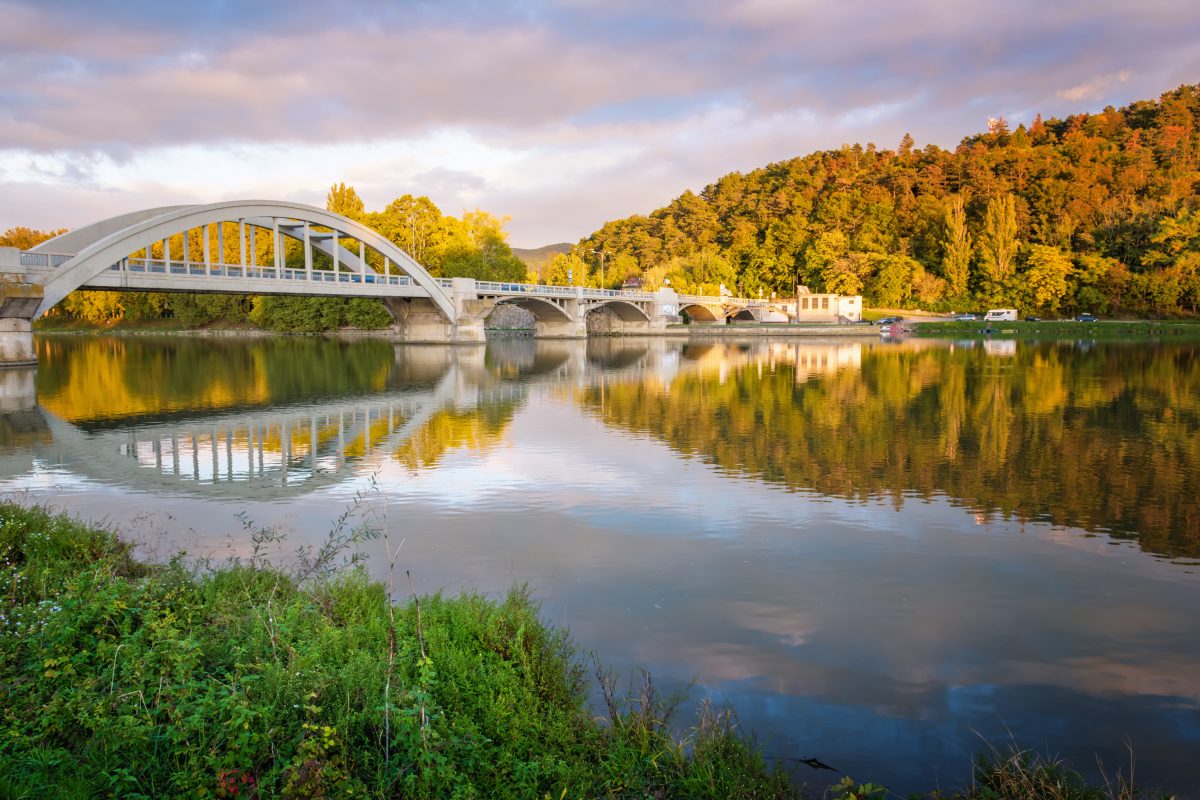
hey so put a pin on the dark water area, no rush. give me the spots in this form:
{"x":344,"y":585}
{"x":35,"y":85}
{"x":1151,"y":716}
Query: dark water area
{"x":884,"y":555}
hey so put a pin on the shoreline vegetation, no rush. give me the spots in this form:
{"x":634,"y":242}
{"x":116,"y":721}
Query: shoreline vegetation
{"x":244,"y":679}
{"x":933,"y":327}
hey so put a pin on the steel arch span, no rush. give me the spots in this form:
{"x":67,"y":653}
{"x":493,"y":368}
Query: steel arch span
{"x":85,"y":254}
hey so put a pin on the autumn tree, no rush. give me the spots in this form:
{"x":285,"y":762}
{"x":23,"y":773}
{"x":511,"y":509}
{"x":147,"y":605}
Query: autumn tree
{"x":27,"y":238}
{"x":344,"y":200}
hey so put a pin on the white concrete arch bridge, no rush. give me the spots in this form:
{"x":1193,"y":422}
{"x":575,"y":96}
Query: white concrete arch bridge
{"x":134,"y":252}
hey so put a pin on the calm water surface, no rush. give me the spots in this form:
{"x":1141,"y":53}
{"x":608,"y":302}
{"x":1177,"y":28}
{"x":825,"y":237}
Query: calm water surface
{"x":883,"y":554}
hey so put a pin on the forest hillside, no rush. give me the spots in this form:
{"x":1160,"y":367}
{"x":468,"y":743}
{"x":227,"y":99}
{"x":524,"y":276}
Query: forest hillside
{"x":1096,"y":212}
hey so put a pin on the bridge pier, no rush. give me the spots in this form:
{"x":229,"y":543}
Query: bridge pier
{"x":561,"y":329}
{"x":19,"y":301}
{"x":419,"y":320}
{"x":16,"y":343}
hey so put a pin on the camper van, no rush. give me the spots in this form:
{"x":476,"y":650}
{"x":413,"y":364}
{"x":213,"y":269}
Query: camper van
{"x":1001,"y":315}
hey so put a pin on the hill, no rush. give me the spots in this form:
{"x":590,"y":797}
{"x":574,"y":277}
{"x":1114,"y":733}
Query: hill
{"x":539,"y":257}
{"x":1097,"y":212}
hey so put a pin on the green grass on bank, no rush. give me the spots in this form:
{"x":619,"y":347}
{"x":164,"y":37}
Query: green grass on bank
{"x":1115,"y":330}
{"x":123,"y":679}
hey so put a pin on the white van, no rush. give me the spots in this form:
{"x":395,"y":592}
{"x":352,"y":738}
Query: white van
{"x":1001,"y":315}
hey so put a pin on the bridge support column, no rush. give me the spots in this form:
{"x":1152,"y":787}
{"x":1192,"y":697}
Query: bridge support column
{"x":419,"y":320}
{"x":16,"y":343}
{"x":19,"y":302}
{"x":573,"y":328}
{"x":471,"y":310}
{"x":664,"y":310}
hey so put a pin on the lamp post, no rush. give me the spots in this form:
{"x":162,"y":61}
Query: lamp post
{"x":600,"y":253}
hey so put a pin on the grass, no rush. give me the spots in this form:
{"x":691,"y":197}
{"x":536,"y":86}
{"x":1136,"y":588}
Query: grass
{"x":119,"y":678}
{"x":1114,"y":330}
{"x":1017,"y":774}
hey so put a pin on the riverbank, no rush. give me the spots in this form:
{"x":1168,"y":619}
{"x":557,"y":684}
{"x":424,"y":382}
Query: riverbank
{"x":1109,"y":330}
{"x":123,"y":678}
{"x":737,"y":330}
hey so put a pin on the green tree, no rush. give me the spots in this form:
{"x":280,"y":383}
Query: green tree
{"x":894,"y":280}
{"x":1177,"y":251}
{"x":565,"y":269}
{"x":998,"y":241}
{"x":416,"y":226}
{"x":821,"y":259}
{"x":477,"y":249}
{"x":1046,"y":276}
{"x":956,"y":247}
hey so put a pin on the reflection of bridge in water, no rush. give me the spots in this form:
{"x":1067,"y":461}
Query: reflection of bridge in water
{"x":279,"y":451}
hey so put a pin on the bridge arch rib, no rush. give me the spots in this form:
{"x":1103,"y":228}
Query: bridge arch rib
{"x":95,"y":248}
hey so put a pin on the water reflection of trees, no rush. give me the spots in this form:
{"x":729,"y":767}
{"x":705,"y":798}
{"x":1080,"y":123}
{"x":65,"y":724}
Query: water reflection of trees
{"x":103,"y":379}
{"x":1107,"y":439}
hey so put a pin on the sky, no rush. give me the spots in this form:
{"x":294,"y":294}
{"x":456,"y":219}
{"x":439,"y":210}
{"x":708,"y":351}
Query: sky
{"x":560,"y":115}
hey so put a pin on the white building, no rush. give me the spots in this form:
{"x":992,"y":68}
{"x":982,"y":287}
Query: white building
{"x":810,"y":307}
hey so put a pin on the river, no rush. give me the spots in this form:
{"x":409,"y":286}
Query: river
{"x":884,"y":555}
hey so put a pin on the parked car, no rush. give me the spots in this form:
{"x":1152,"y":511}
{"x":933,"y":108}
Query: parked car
{"x":965,"y":318}
{"x":1033,"y":319}
{"x":1085,"y":317}
{"x":889,"y":320}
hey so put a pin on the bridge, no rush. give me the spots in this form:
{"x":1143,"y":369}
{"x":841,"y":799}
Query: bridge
{"x":309,"y":251}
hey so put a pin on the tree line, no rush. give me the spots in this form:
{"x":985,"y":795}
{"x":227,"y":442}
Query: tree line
{"x":1095,"y":212}
{"x":473,"y":245}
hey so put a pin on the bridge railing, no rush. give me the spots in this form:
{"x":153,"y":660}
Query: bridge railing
{"x":497,"y":287}
{"x":733,"y":301}
{"x":164,"y":267}
{"x":159,"y":266}
{"x":43,"y":259}
{"x":199,"y":268}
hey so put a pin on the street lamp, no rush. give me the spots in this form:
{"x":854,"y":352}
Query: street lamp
{"x":601,"y":253}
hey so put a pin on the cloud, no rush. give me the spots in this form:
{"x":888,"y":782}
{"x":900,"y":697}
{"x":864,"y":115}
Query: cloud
{"x":1095,"y":88}
{"x":561,"y":114}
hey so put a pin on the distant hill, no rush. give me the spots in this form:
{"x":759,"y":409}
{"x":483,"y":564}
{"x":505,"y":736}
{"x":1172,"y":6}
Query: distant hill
{"x":540,"y":256}
{"x":1097,"y":212}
